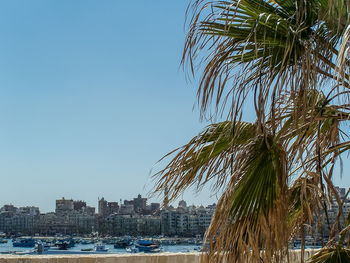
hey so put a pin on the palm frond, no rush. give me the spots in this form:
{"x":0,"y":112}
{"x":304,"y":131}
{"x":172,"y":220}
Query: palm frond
{"x":331,"y":255}
{"x":206,"y":157}
{"x":284,"y":44}
{"x":250,"y":216}
{"x":334,"y":253}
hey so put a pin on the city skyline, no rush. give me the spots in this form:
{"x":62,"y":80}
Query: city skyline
{"x":131,"y":217}
{"x":95,"y":205}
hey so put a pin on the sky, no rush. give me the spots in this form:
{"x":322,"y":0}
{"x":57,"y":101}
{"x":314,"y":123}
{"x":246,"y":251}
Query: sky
{"x":92,"y":95}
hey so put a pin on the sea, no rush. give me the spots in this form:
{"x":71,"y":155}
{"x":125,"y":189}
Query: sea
{"x":8,"y":248}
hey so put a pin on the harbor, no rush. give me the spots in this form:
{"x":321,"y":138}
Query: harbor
{"x":84,"y":246}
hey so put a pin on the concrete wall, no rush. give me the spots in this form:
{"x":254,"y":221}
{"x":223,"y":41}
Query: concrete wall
{"x":122,"y":258}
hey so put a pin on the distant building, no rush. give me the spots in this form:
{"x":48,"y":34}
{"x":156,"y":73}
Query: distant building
{"x":155,"y":207}
{"x":29,"y":210}
{"x":9,"y":208}
{"x":340,"y":191}
{"x":113,"y":207}
{"x":183,"y":204}
{"x":133,"y":225}
{"x":75,"y":217}
{"x":90,"y":210}
{"x":140,"y":204}
{"x":126,"y":209}
{"x":64,"y":206}
{"x":21,"y":220}
{"x":79,"y":205}
{"x":106,"y":208}
{"x":102,"y":207}
{"x":185,"y":221}
{"x":129,"y":202}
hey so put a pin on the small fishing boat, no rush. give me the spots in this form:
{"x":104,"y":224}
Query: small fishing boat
{"x":123,"y":243}
{"x":63,"y":245}
{"x":101,"y":248}
{"x":87,"y":249}
{"x":132,"y":250}
{"x":147,"y":246}
{"x":24,"y":242}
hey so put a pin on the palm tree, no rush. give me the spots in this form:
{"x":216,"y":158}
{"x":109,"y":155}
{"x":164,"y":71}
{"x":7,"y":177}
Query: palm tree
{"x":290,"y":59}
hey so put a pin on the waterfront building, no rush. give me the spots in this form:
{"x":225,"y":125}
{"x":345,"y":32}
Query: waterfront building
{"x":52,"y":224}
{"x":140,"y":204}
{"x":133,"y":225}
{"x":126,"y":209}
{"x":9,"y":208}
{"x":23,"y":222}
{"x":185,"y":221}
{"x":113,"y":207}
{"x":75,"y":217}
{"x":89,"y":210}
{"x":102,"y":207}
{"x":174,"y":222}
{"x":64,"y":206}
{"x":106,"y":208}
{"x":182,"y":204}
{"x":82,"y":223}
{"x":79,"y":205}
{"x":29,"y":210}
{"x":155,"y":207}
{"x":129,"y":202}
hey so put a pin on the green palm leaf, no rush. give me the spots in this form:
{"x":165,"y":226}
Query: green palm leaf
{"x":207,"y":156}
{"x":256,"y":196}
{"x":332,"y":255}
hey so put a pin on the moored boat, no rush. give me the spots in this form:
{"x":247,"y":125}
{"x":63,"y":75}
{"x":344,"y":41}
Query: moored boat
{"x":147,"y":246}
{"x":24,"y":242}
{"x":62,"y":245}
{"x":101,"y":248}
{"x":87,"y":249}
{"x":123,"y":243}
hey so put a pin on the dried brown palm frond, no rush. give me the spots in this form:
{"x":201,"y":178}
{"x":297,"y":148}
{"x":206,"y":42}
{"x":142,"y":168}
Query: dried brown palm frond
{"x":206,"y":157}
{"x":249,"y":222}
{"x":303,"y":202}
{"x":334,"y":252}
{"x":262,"y":47}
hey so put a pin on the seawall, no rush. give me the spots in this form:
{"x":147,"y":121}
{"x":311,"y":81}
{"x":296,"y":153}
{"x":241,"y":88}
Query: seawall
{"x":123,"y":258}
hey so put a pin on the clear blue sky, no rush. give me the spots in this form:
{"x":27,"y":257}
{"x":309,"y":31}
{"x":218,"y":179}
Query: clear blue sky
{"x":91,"y":96}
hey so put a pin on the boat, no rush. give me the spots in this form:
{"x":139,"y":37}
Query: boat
{"x":71,"y":242}
{"x":3,"y":241}
{"x":87,"y":241}
{"x":62,"y":245}
{"x":24,"y":242}
{"x":132,"y":250}
{"x":147,"y":246}
{"x":123,"y":243}
{"x":101,"y":248}
{"x":87,"y":249}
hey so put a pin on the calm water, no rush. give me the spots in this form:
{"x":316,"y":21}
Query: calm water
{"x":77,"y":249}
